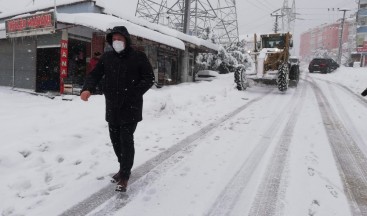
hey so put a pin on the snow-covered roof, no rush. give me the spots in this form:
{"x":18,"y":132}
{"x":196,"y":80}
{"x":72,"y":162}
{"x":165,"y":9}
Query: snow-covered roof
{"x":138,"y":26}
{"x":103,"y":22}
{"x":38,"y":7}
{"x":160,"y":28}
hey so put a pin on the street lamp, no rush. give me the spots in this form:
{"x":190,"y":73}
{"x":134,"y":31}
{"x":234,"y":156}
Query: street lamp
{"x":341,"y":36}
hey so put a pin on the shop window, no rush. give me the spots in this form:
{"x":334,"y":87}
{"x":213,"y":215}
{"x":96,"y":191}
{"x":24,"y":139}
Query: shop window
{"x":151,"y":52}
{"x":77,"y":64}
{"x":48,"y":75}
{"x":167,"y":67}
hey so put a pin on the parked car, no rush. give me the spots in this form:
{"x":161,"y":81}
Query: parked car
{"x":334,"y":64}
{"x":324,"y":65}
{"x":206,"y":75}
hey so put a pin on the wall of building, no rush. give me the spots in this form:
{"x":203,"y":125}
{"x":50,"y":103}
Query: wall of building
{"x":6,"y":62}
{"x":361,"y":35}
{"x":323,"y":37}
{"x":305,"y":49}
{"x":24,"y":61}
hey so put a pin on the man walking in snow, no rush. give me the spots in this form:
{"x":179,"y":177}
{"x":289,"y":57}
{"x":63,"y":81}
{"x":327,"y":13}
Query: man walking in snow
{"x":128,"y":75}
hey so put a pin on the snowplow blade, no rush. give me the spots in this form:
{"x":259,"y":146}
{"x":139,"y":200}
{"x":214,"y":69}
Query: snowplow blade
{"x":265,"y":81}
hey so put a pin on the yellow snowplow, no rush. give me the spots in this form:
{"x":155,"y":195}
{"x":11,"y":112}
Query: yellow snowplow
{"x":272,"y":65}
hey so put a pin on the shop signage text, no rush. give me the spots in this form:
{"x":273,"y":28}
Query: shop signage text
{"x":63,"y":63}
{"x":64,"y":59}
{"x":361,"y":49}
{"x":30,"y":24}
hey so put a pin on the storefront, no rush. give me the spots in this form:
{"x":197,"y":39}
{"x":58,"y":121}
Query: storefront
{"x":26,"y":53}
{"x":45,"y":53}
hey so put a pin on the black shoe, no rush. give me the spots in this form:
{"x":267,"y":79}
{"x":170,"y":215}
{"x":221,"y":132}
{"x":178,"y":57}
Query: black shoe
{"x":364,"y":93}
{"x":121,"y":185}
{"x":116,"y":178}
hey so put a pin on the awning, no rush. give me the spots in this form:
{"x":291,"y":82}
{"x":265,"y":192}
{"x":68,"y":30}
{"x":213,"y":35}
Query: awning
{"x":103,"y":22}
{"x":163,"y":29}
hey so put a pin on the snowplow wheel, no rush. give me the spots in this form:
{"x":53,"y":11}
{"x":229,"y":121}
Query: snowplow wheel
{"x":297,"y":75}
{"x":294,"y":76}
{"x":240,"y":79}
{"x":282,"y":80}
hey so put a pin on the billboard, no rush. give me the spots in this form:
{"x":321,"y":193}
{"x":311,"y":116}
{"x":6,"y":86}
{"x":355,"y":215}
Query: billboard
{"x":41,"y":23}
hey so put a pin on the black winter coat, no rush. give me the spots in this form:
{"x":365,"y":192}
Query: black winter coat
{"x":128,"y":75}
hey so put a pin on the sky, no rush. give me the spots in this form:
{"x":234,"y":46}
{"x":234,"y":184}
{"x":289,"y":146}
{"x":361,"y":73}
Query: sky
{"x":309,"y":14}
{"x":196,"y":141}
{"x":253,"y":15}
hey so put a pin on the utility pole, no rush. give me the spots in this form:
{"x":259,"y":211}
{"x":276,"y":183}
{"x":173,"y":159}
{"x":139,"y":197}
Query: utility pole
{"x":341,"y":36}
{"x":186,"y":26}
{"x":217,"y":15}
{"x":276,"y":19}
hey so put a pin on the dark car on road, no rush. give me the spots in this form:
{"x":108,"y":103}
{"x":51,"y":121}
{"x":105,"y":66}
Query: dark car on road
{"x":324,"y":65}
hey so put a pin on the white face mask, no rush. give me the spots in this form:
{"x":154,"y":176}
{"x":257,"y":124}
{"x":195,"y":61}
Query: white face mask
{"x":118,"y":45}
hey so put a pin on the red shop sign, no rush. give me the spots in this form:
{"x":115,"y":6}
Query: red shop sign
{"x":30,"y":23}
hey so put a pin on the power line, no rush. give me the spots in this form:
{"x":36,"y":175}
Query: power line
{"x":258,"y":27}
{"x":259,"y":7}
{"x":250,"y":23}
{"x":314,"y":14}
{"x":264,"y":5}
{"x":268,"y":1}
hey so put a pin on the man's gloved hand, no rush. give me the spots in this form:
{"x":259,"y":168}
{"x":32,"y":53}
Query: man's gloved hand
{"x":364,"y":93}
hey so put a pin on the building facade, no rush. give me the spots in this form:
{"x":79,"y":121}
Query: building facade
{"x":361,"y":36}
{"x":324,"y":37}
{"x":44,"y":51}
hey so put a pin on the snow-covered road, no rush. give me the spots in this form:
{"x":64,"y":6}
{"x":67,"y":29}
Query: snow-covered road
{"x":250,"y":170}
{"x":203,"y":149}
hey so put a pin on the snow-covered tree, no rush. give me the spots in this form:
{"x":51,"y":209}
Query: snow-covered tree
{"x":209,"y":34}
{"x":226,"y":60}
{"x":324,"y":53}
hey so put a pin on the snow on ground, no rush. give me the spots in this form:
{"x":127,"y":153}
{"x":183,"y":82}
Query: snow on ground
{"x":353,"y":78}
{"x":53,"y":150}
{"x":51,"y":147}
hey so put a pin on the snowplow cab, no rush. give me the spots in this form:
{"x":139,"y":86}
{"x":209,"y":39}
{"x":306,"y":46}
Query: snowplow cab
{"x":273,"y":41}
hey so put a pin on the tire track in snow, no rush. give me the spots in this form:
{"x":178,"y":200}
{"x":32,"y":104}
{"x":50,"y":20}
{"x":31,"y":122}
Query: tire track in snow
{"x":351,"y":162}
{"x":348,"y":123}
{"x":361,"y":100}
{"x":272,"y":188}
{"x":229,"y":196}
{"x":106,"y":201}
{"x":353,"y":132}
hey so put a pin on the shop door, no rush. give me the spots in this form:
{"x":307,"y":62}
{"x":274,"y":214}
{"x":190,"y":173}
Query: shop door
{"x":77,"y":68}
{"x":48,"y":77}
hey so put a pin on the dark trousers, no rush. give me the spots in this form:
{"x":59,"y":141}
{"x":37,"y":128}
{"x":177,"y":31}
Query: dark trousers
{"x":122,"y":138}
